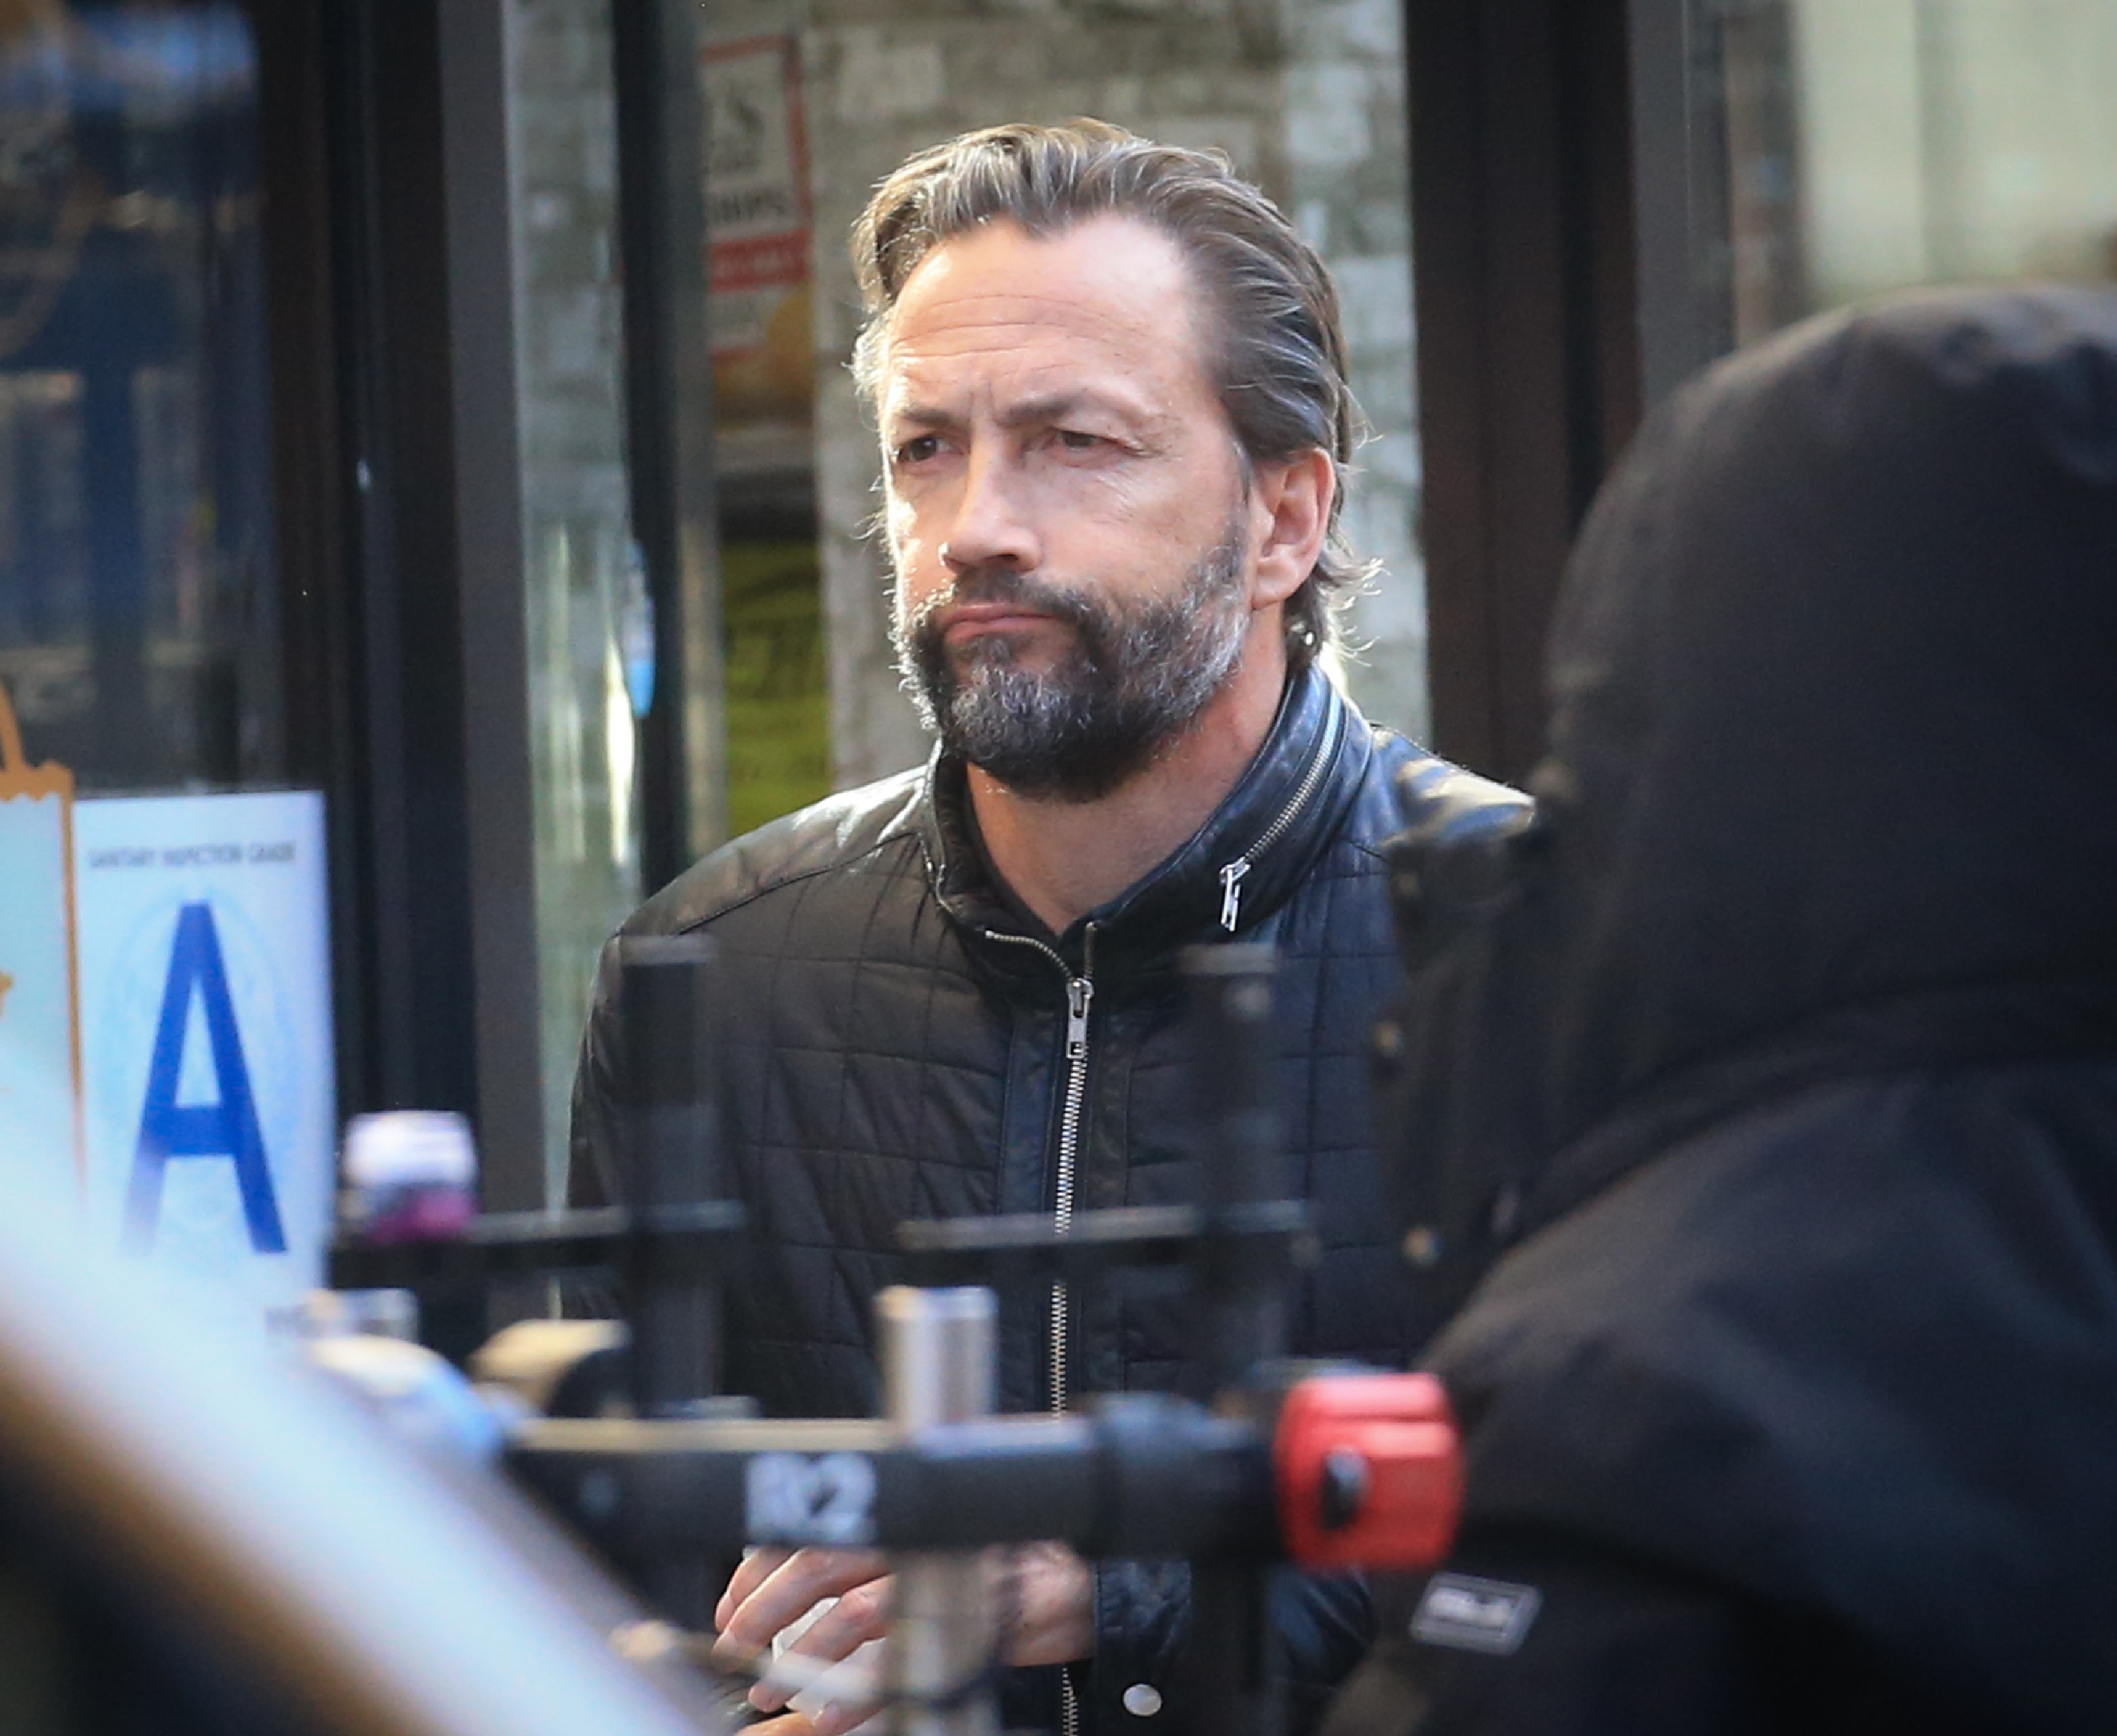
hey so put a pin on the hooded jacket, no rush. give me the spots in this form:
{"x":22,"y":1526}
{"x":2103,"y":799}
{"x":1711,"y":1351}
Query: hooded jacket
{"x":898,"y":1041}
{"x":1768,"y":1094}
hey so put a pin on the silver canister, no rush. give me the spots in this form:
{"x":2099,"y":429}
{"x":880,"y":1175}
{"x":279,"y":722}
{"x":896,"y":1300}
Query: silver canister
{"x":939,"y":1357}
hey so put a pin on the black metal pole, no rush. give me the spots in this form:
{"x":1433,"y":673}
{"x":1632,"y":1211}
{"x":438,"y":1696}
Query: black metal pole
{"x":1230,"y":1681}
{"x":1234,"y":1059}
{"x":668,"y":393}
{"x":672,"y":1159}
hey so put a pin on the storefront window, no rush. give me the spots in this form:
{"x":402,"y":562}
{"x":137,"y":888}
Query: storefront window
{"x":810,"y":102}
{"x":139,"y":604}
{"x":165,"y":993}
{"x":588,"y":620}
{"x":1872,"y":144}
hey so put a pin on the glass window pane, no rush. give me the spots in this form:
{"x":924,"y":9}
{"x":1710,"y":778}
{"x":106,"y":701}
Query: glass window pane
{"x":1872,"y":144}
{"x":139,"y":605}
{"x":588,"y":616}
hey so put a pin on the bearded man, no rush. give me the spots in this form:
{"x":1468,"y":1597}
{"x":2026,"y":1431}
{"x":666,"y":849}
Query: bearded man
{"x":1109,"y":382}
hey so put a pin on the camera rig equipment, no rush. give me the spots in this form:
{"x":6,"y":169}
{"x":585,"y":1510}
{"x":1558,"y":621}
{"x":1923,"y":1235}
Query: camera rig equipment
{"x":1267,"y":1462}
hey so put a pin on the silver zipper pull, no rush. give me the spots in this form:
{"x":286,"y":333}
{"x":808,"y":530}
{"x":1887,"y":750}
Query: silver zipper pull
{"x":1079,"y":992}
{"x":1231,"y":895}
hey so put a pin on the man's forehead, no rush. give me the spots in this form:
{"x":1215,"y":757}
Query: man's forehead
{"x":1111,"y":294}
{"x":1019,"y":382}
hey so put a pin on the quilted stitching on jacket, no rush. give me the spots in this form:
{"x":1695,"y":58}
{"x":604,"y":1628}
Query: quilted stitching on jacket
{"x":883,"y":1058}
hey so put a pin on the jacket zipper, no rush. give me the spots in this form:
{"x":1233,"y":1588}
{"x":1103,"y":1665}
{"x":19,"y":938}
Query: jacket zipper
{"x":1080,"y":996}
{"x":1080,"y":991}
{"x":1232,"y":873}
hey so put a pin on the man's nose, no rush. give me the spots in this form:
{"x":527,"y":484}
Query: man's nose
{"x":991,"y":524}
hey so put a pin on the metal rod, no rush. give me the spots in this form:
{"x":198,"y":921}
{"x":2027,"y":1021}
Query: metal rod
{"x":1146,"y":1476}
{"x":1226,"y":1676}
{"x":1235,"y":1061}
{"x":938,"y":1349}
{"x":672,"y":1296}
{"x":673,"y":1161}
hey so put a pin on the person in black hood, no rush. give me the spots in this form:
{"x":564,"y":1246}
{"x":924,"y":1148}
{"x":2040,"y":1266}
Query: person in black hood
{"x":1763,"y":1090}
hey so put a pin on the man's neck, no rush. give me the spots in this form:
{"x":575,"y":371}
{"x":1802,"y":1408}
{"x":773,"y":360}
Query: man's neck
{"x":1063,"y":859}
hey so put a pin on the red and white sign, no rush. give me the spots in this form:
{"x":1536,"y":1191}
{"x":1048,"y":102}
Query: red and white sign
{"x":757,"y":173}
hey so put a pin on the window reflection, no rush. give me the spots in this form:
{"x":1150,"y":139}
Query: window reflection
{"x":1872,"y":144}
{"x":590,"y":628}
{"x":138,"y":617}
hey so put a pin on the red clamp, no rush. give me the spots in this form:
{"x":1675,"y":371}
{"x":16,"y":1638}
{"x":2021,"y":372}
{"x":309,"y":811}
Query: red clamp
{"x":1370,"y":1471}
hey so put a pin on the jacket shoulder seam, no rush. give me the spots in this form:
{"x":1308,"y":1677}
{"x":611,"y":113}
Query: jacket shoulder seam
{"x":795,"y":877}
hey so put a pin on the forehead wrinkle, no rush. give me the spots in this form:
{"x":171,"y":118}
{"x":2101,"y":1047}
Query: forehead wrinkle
{"x":1025,"y":303}
{"x":1042,"y":378}
{"x":1166,"y":275}
{"x":1037,"y":410}
{"x":1041,"y":407}
{"x":1024,"y":390}
{"x":961,"y":332}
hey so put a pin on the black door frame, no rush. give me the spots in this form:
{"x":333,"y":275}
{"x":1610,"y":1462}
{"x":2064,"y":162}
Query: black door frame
{"x":669,"y":422}
{"x":1565,"y":187}
{"x":385,"y":148}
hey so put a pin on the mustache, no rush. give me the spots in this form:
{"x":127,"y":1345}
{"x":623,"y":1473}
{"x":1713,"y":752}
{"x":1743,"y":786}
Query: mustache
{"x":1007,"y":584}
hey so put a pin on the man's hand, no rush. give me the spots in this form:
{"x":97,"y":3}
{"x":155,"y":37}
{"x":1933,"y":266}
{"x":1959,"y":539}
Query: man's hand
{"x":1052,"y":1596}
{"x":773,"y":1589}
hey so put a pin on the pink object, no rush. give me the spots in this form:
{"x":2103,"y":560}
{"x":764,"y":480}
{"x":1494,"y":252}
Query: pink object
{"x":411,"y":1175}
{"x":440,"y":1212}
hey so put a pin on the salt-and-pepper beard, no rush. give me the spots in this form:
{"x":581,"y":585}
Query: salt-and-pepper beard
{"x":1132,"y":679}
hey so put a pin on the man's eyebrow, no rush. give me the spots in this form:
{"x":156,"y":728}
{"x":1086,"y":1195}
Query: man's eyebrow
{"x":923,"y":415}
{"x":1047,"y":407}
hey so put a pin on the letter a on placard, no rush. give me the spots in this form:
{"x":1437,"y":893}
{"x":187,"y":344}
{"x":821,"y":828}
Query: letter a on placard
{"x":225,"y":1128}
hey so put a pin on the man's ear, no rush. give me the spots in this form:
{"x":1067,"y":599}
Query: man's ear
{"x":1290,"y":514}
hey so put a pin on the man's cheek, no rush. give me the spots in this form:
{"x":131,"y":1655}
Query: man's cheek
{"x":913,"y":551}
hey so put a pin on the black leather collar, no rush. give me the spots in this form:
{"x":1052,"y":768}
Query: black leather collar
{"x":1266,"y":836}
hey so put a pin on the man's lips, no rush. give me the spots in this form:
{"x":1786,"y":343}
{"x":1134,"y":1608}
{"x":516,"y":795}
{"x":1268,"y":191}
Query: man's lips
{"x":962,"y":620}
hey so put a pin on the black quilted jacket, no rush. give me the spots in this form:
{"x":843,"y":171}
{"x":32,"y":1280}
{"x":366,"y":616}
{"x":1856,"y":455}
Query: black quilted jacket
{"x":898,"y":1043}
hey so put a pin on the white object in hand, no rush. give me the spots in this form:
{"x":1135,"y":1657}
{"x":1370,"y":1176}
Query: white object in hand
{"x":854,"y":1680}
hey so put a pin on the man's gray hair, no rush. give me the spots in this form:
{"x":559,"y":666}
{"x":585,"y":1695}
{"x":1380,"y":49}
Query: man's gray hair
{"x":1276,"y":347}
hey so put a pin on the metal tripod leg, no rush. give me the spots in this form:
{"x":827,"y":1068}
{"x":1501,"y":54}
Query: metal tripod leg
{"x":938,"y":1353}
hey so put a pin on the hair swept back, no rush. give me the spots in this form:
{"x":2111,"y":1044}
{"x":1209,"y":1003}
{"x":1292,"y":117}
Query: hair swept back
{"x":1277,"y":341}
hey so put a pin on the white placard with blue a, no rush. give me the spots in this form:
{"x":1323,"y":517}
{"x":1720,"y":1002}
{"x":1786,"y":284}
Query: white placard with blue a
{"x":208,"y":1054}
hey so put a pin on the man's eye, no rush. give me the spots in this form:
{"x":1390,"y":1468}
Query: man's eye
{"x":917,"y":450}
{"x":1074,"y":439}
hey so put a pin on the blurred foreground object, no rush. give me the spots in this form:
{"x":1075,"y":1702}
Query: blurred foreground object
{"x":294,"y":1567}
{"x":410,"y":1174}
{"x":1762,"y":1095}
{"x":1323,"y":1465}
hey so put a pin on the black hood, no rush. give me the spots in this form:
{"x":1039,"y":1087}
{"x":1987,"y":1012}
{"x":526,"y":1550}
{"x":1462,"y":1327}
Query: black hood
{"x":1831,"y":783}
